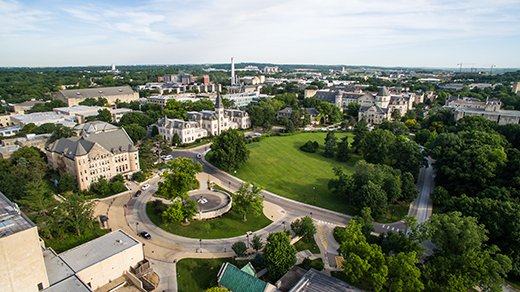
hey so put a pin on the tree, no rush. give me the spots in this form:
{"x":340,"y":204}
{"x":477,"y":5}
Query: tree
{"x":176,"y":140}
{"x":343,"y":153}
{"x":342,"y":185}
{"x":374,"y":197}
{"x":229,"y":150}
{"x":104,"y":115}
{"x":139,"y":176}
{"x":365,"y":220}
{"x":462,"y":260}
{"x":135,"y":132}
{"x":155,"y":131}
{"x":78,"y":212}
{"x":248,"y":201}
{"x":330,"y":143}
{"x":179,"y":178}
{"x":409,"y":191}
{"x":353,"y":109}
{"x":279,"y":254}
{"x":136,"y":118}
{"x":396,"y":115}
{"x":304,"y":227}
{"x":239,"y":248}
{"x":173,"y":213}
{"x":62,"y":132}
{"x":407,"y":156}
{"x":101,"y":187}
{"x":360,"y":130}
{"x":363,"y":262}
{"x":375,"y":145}
{"x":256,"y":243}
{"x":403,"y":273}
{"x":67,"y":183}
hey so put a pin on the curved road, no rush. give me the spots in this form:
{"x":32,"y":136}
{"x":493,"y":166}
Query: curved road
{"x":139,"y":221}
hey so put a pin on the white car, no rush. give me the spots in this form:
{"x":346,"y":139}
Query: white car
{"x":145,"y":187}
{"x":257,"y":134}
{"x":199,"y":156}
{"x":168,"y":157}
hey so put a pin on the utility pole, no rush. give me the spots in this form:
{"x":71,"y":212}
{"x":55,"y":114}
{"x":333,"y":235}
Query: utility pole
{"x":491,"y":71}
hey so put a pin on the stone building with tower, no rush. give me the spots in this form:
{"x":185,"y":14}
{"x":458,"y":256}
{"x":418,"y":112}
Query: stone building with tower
{"x":204,"y":123}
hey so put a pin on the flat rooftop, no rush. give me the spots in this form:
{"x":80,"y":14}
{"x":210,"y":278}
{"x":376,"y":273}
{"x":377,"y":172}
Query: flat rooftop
{"x":97,"y":250}
{"x":57,"y":269}
{"x":12,"y":220}
{"x":71,"y":284}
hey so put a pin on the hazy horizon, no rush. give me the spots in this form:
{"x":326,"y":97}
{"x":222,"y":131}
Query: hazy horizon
{"x":402,"y":33}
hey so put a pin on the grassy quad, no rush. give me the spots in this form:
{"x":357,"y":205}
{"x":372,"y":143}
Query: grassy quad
{"x":278,"y":165}
{"x":229,"y":225}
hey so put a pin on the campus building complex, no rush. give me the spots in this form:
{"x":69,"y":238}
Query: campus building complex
{"x":204,"y":123}
{"x":100,"y":150}
{"x":74,"y":96}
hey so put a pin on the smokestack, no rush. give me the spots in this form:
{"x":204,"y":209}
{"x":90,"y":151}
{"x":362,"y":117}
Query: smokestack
{"x":232,"y":71}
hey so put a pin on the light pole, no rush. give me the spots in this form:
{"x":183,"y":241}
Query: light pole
{"x":136,"y":225}
{"x":283,"y":222}
{"x":200,"y":241}
{"x":311,"y":214}
{"x":247,"y":240}
{"x":314,"y":195}
{"x":229,"y":187}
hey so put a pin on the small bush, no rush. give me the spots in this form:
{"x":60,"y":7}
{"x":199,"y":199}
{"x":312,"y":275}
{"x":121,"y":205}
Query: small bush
{"x":317,"y":264}
{"x":310,"y":147}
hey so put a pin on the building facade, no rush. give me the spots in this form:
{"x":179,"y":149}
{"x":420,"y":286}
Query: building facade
{"x":489,"y":109}
{"x":204,"y":123}
{"x":98,"y":152}
{"x":120,"y":93}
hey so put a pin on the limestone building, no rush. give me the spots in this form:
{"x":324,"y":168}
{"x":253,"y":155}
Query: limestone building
{"x":22,"y":267}
{"x":489,"y":109}
{"x":100,"y":150}
{"x":74,"y":96}
{"x":204,"y":123}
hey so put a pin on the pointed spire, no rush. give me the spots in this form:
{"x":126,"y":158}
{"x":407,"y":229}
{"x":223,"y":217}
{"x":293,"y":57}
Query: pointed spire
{"x":383,"y":92}
{"x":218,"y":103}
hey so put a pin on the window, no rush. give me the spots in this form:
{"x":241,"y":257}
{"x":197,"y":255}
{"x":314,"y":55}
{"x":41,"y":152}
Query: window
{"x":40,"y":286}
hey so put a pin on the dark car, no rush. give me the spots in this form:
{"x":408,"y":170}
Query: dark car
{"x":145,"y":235}
{"x":138,"y":193}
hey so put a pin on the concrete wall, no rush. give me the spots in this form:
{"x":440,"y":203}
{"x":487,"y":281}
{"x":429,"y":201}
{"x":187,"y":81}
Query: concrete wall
{"x":105,"y":271}
{"x":21,"y":262}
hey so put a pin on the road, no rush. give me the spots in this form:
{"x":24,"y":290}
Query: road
{"x":139,"y":221}
{"x":422,"y":206}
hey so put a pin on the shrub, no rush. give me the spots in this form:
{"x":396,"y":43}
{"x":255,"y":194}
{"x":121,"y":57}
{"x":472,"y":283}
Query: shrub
{"x":310,"y":147}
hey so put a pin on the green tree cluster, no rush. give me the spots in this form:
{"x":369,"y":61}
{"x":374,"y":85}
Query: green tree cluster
{"x":229,"y":150}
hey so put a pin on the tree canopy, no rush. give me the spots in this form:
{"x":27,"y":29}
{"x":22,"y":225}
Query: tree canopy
{"x":229,"y":150}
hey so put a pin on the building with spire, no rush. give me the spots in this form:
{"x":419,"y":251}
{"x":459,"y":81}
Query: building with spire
{"x":99,"y":151}
{"x":204,"y":123}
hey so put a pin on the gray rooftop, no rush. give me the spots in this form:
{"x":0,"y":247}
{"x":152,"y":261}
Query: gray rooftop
{"x":71,"y":284}
{"x":78,"y":108}
{"x":96,"y":92}
{"x":383,"y":92}
{"x":11,"y":219}
{"x":97,"y":250}
{"x":44,"y":117}
{"x":96,"y":126}
{"x":314,"y":281}
{"x":57,"y":269}
{"x":116,"y":142}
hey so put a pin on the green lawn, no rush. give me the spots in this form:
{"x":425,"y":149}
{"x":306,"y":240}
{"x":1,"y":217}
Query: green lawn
{"x":310,"y":244}
{"x":278,"y":165}
{"x":195,"y":275}
{"x":229,"y":225}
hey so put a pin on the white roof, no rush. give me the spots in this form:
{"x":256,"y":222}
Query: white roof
{"x":97,"y":250}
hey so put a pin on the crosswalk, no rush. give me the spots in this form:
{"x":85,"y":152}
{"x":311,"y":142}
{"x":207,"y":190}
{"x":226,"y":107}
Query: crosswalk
{"x":322,"y":236}
{"x":393,"y":228}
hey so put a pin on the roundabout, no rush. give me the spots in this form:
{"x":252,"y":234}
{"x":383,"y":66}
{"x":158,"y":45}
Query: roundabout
{"x":210,"y":203}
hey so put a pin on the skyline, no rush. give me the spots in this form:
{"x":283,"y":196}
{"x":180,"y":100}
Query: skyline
{"x":400,"y":34}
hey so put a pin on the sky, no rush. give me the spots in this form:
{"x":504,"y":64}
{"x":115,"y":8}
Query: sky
{"x":397,"y":33}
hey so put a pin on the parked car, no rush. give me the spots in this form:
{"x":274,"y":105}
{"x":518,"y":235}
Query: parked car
{"x":249,"y":136}
{"x":145,"y":235}
{"x":138,"y":193}
{"x":145,"y":187}
{"x":258,"y":134}
{"x":168,"y":157}
{"x":199,"y":156}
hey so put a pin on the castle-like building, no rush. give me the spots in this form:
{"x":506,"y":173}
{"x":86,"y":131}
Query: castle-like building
{"x":99,"y":150}
{"x":204,"y":123}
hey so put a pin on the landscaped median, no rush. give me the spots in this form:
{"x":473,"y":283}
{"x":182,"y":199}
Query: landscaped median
{"x":229,"y":225}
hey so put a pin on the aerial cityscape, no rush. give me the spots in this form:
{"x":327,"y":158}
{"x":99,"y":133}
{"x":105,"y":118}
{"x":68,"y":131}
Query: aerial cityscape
{"x":272,"y":146}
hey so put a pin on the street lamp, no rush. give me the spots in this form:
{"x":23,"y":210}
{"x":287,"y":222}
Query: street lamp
{"x":314,"y":195}
{"x":283,"y":222}
{"x":229,"y":188}
{"x":200,"y":241}
{"x":247,"y":240}
{"x":136,"y":225}
{"x":235,"y":173}
{"x":311,"y":214}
